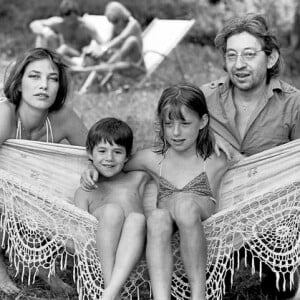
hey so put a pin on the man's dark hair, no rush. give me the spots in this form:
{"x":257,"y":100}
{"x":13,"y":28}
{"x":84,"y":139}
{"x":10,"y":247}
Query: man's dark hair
{"x":256,"y":25}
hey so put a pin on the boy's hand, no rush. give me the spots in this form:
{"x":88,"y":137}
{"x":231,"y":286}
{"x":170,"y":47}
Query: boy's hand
{"x":88,"y":179}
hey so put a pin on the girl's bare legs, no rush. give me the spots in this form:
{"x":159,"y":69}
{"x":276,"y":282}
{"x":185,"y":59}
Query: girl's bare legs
{"x":192,"y":245}
{"x":159,"y":253}
{"x":129,"y":251}
{"x":111,"y":219}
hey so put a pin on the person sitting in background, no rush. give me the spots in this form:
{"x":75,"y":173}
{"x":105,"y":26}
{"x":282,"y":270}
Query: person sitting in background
{"x":125,"y":49}
{"x":34,"y":109}
{"x":67,"y":34}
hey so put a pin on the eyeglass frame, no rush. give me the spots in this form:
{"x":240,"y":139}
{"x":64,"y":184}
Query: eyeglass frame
{"x":242,"y":55}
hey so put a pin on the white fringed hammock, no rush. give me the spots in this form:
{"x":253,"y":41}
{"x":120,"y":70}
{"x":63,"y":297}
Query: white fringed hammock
{"x":260,"y":208}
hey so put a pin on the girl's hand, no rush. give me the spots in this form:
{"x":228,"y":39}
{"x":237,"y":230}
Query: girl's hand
{"x":88,"y":179}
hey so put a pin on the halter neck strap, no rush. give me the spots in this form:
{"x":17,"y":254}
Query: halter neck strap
{"x":48,"y":130}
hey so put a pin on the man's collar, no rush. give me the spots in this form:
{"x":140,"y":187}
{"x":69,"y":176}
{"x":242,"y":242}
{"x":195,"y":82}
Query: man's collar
{"x":225,"y":84}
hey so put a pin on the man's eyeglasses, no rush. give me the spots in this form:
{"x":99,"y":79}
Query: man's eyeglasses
{"x":247,"y":54}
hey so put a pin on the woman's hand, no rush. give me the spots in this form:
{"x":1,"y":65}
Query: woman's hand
{"x":89,"y":177}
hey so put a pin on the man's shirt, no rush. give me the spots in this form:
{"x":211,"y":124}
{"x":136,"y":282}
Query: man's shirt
{"x":275,"y":121}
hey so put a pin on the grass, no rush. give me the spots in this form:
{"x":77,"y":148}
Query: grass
{"x":137,"y":106}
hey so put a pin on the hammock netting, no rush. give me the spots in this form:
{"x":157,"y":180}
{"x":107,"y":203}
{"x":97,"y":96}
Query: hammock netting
{"x":259,"y":211}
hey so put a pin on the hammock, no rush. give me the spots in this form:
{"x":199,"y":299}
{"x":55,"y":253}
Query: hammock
{"x":259,"y":211}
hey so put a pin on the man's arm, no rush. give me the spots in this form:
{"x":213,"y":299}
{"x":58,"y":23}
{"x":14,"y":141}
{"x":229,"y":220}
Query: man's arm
{"x":45,"y":26}
{"x":118,"y":40}
{"x":129,"y":30}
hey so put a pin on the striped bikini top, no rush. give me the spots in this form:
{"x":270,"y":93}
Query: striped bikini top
{"x":199,"y":186}
{"x":49,"y":132}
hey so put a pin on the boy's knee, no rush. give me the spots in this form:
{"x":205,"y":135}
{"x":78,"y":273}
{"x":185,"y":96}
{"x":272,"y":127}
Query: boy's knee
{"x":160,"y":223}
{"x":110,"y":213}
{"x":187,"y":213}
{"x":136,"y":221}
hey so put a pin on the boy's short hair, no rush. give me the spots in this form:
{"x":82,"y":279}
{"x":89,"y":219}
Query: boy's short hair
{"x":110,"y":130}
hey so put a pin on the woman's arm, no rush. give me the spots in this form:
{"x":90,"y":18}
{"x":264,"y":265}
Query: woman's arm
{"x":7,"y":121}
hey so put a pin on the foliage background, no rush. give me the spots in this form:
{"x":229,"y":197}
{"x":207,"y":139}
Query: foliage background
{"x":202,"y":63}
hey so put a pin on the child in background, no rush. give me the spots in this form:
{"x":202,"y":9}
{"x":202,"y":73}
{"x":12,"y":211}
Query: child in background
{"x":116,"y":203}
{"x":187,"y":173}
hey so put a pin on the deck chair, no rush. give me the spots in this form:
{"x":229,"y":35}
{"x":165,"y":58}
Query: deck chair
{"x":259,"y":208}
{"x":159,"y":39}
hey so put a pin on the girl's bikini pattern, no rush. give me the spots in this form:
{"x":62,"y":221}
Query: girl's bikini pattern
{"x":199,"y":186}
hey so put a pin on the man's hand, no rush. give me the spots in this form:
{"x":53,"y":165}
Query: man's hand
{"x":222,"y":145}
{"x":88,"y":179}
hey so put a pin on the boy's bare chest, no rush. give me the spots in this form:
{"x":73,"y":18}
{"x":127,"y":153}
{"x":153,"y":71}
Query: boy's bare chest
{"x":118,"y":190}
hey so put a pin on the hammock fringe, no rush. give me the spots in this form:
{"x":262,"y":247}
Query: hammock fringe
{"x":259,"y":211}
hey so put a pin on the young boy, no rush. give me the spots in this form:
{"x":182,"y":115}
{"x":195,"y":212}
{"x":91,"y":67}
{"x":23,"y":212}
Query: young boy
{"x":116,"y":203}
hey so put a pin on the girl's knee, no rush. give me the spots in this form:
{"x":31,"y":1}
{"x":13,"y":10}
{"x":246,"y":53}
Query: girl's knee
{"x":110,"y":213}
{"x":187,"y":213}
{"x":160,"y":223}
{"x":136,"y":221}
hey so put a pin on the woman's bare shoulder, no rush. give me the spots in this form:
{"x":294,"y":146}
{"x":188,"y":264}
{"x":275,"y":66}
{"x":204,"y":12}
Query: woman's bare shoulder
{"x":6,"y":107}
{"x":66,"y":124}
{"x":8,"y":120}
{"x":63,"y":116}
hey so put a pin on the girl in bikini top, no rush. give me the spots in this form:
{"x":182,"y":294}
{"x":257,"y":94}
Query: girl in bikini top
{"x":199,"y":186}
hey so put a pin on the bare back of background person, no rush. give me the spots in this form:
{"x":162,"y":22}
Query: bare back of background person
{"x":68,"y":33}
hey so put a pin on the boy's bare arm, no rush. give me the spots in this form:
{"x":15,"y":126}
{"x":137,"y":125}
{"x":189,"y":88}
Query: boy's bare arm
{"x":81,"y":199}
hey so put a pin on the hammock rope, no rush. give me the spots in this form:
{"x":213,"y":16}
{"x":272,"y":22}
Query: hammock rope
{"x":259,"y":211}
